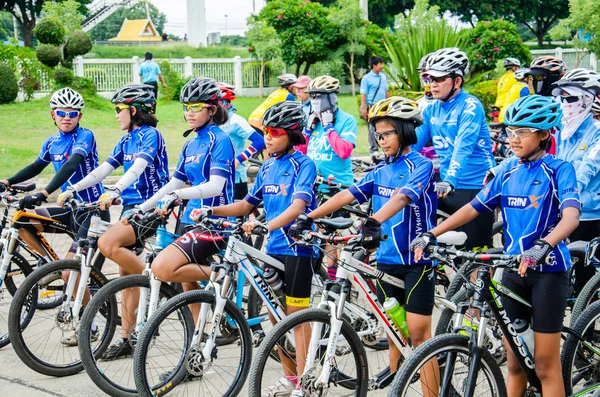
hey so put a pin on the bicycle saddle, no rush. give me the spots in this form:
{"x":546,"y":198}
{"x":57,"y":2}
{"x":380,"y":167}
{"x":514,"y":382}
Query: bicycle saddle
{"x":338,"y":223}
{"x":578,"y":248}
{"x":452,"y":238}
{"x":23,"y":187}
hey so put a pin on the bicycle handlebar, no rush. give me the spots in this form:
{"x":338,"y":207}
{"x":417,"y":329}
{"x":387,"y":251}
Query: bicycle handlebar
{"x":320,"y":180}
{"x":260,"y":229}
{"x":505,"y":260}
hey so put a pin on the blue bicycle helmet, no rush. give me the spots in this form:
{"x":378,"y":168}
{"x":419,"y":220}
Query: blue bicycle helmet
{"x":534,"y":111}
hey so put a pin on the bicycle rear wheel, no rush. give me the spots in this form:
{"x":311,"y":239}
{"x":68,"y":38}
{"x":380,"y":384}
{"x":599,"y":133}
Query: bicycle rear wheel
{"x":46,"y":343}
{"x":18,"y":269}
{"x":423,"y":372}
{"x":166,"y":362}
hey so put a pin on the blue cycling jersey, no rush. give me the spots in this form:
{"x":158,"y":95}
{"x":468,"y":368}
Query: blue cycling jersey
{"x":279,"y":182}
{"x":532,"y":196}
{"x":461,"y":138}
{"x":582,"y":150}
{"x":412,"y":175}
{"x":147,"y":143}
{"x":320,"y":151}
{"x":59,"y":148}
{"x":240,"y":131}
{"x":209,"y":153}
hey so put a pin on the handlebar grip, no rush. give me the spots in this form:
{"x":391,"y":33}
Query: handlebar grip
{"x":383,"y":237}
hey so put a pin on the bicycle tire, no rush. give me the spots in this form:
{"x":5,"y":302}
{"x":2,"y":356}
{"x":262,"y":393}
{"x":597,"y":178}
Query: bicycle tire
{"x":585,"y":297}
{"x":359,"y":382}
{"x":407,"y":374}
{"x":24,"y":297}
{"x":149,"y":333}
{"x":9,"y":284}
{"x":89,"y":356}
{"x":574,"y":355}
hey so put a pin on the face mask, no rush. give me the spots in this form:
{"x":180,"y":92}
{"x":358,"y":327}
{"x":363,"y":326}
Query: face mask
{"x":316,"y":105}
{"x":574,"y":114}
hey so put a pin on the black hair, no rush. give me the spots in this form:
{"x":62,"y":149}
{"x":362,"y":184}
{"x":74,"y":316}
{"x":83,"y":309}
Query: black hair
{"x":296,"y":137}
{"x":142,"y":117}
{"x":148,"y":55}
{"x":545,"y":143}
{"x":406,"y":130}
{"x":221,"y":116}
{"x":375,"y":60}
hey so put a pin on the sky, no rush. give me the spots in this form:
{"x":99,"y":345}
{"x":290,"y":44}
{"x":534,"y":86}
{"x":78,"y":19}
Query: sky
{"x":216,"y":11}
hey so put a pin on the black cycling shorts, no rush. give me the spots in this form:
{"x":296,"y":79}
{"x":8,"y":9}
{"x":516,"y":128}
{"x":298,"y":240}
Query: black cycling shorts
{"x":419,"y":283}
{"x":142,"y":232}
{"x":479,"y":230}
{"x":297,"y":279}
{"x":198,"y":245}
{"x":547,"y":293}
{"x":79,"y":221}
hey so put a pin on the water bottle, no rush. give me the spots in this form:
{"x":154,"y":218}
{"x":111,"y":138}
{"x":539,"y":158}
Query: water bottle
{"x":274,"y":281}
{"x":525,"y":335}
{"x":397,"y":314}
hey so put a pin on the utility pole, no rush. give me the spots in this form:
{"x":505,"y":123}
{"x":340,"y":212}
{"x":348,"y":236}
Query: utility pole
{"x":225,"y":24}
{"x":364,"y":4}
{"x":147,"y":10}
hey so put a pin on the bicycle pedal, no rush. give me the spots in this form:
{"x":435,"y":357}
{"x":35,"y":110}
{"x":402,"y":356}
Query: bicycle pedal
{"x":257,"y":338}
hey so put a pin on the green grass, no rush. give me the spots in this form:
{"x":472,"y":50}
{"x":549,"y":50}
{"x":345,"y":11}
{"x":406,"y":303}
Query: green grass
{"x":166,"y":51}
{"x":25,"y":126}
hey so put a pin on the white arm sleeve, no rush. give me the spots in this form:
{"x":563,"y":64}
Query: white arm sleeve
{"x":208,"y":189}
{"x":173,"y":184}
{"x":94,"y":177}
{"x":132,"y":175}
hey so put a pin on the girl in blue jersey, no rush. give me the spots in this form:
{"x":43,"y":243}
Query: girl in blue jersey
{"x":285,"y":183}
{"x":206,"y":163}
{"x":72,"y":152}
{"x":404,"y":204}
{"x":240,"y":131}
{"x":540,"y":205}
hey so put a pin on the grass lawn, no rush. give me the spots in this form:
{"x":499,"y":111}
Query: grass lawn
{"x":25,"y":126}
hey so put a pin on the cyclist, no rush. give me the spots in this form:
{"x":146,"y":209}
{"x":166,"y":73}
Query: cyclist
{"x":285,"y":93}
{"x":206,"y":162}
{"x":505,"y":84}
{"x":72,"y":151}
{"x":239,"y":131}
{"x":300,"y":91}
{"x":143,"y":154}
{"x":427,"y":98}
{"x":285,"y":183}
{"x":457,"y":125}
{"x":578,"y":143}
{"x":540,"y":206}
{"x":519,"y":89}
{"x":404,"y":202}
{"x":546,"y":70}
{"x":373,"y":87}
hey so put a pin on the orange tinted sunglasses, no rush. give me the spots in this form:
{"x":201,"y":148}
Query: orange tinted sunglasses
{"x":275,"y":132}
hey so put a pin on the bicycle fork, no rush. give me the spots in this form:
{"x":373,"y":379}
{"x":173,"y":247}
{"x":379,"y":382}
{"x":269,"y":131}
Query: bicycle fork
{"x":8,"y":244}
{"x":148,"y":302}
{"x":85,"y":259}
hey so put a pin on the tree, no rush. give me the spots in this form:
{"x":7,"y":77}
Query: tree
{"x":471,"y":11}
{"x":6,"y":26}
{"x":110,"y":27}
{"x":540,"y":16}
{"x":381,"y":12}
{"x":561,"y":31}
{"x":264,"y":44}
{"x":585,"y":19}
{"x":68,"y":12}
{"x":27,"y":11}
{"x":307,"y":36}
{"x":347,"y":17}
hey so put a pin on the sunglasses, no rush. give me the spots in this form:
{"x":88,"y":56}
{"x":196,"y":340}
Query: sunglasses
{"x":520,"y":132}
{"x":72,"y":114}
{"x":570,"y":99}
{"x":121,"y":107}
{"x":438,"y":80}
{"x":539,"y":77}
{"x":384,"y":134}
{"x":196,"y":107}
{"x":275,"y":132}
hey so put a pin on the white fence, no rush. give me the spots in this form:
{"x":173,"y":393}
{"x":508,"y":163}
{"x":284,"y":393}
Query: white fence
{"x":574,"y":58}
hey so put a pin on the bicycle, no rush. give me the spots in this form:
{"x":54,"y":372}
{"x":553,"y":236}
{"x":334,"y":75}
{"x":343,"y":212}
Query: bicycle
{"x":332,"y":337}
{"x":31,"y":338}
{"x":464,"y":360}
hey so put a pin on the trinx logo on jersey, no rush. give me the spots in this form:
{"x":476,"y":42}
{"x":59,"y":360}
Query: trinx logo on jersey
{"x":523,"y":202}
{"x":276,"y":189}
{"x":129,"y":157}
{"x":384,"y":191}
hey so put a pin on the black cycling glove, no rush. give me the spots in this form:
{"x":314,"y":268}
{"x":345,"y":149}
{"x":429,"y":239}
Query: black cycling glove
{"x":302,"y":224}
{"x":3,"y":187}
{"x":537,"y":254}
{"x":370,"y":233}
{"x":32,"y":201}
{"x":422,"y":241}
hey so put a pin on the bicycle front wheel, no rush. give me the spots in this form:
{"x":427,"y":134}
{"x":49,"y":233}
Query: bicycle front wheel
{"x":349,"y":373}
{"x":166,"y":361}
{"x":423,"y":373}
{"x":18,"y":269}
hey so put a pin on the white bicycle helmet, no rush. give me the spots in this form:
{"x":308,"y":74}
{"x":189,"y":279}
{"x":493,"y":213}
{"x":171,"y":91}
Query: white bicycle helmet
{"x":447,"y":61}
{"x":67,"y":98}
{"x":586,"y":79}
{"x":510,"y":62}
{"x":520,"y":74}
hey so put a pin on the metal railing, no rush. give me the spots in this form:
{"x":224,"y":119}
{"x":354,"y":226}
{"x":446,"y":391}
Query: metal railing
{"x":573,"y":57}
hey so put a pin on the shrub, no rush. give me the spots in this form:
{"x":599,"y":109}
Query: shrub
{"x":48,"y":54}
{"x":8,"y":84}
{"x":84,"y":86}
{"x":485,"y":92}
{"x":25,"y":65}
{"x":79,"y":43}
{"x":490,"y":41}
{"x":173,"y":81}
{"x":63,"y":76}
{"x":50,"y":31}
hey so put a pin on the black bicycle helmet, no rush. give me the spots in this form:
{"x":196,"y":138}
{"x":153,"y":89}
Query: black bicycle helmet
{"x":290,"y":116}
{"x":200,"y":89}
{"x":131,"y":94}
